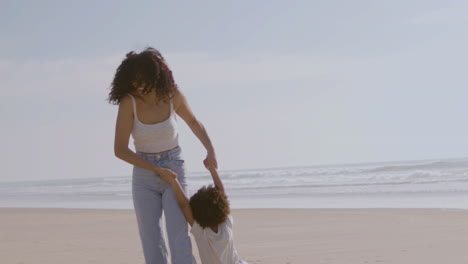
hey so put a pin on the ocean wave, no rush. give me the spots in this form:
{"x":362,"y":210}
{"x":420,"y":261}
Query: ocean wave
{"x":427,"y":175}
{"x":438,"y":164}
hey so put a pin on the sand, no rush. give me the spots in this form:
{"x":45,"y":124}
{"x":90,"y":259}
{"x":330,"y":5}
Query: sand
{"x":270,"y":236}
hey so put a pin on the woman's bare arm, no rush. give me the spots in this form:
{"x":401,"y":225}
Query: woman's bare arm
{"x":182,"y":108}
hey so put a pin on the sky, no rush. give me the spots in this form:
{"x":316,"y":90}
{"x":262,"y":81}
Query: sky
{"x":275,"y":83}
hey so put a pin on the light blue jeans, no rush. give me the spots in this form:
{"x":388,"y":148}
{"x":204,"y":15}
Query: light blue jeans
{"x":152,"y":195}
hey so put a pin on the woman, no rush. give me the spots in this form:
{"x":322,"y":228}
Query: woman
{"x":149,"y":100}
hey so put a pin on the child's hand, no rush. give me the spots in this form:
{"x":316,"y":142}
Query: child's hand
{"x":167,"y":175}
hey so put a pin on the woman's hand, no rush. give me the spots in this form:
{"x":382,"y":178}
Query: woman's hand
{"x":210,"y":161}
{"x":167,"y":175}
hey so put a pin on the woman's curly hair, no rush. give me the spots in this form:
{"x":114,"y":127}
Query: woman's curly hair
{"x":210,"y":207}
{"x":148,"y":69}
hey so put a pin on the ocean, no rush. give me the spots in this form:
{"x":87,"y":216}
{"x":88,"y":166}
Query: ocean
{"x":408,"y":184}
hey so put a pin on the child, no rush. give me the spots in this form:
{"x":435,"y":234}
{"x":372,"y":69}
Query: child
{"x":208,"y":214}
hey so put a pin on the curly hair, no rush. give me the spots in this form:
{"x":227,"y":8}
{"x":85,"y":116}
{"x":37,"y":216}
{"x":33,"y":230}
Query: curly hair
{"x":148,"y":69}
{"x":210,"y":207}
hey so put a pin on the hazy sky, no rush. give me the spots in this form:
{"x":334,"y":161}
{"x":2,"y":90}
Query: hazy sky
{"x":276,"y":83}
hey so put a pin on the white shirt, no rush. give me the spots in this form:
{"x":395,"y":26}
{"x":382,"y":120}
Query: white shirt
{"x":154,"y":138}
{"x":216,"y":248}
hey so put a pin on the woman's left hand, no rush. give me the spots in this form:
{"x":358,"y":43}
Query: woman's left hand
{"x":210,"y":161}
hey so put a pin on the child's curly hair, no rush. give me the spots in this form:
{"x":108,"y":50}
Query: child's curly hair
{"x":210,"y":207}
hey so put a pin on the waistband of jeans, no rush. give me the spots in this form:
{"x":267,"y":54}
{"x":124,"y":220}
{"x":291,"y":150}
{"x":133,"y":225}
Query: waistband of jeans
{"x":165,"y":155}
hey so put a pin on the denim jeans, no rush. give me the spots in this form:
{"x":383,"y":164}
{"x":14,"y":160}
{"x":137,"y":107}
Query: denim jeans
{"x":152,"y":195}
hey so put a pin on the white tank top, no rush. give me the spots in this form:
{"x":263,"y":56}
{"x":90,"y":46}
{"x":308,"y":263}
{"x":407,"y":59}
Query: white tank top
{"x":154,"y":138}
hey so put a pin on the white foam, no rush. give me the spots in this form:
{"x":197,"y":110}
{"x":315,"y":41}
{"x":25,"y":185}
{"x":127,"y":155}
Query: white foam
{"x":299,"y":183}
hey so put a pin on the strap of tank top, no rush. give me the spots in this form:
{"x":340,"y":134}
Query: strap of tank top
{"x":134,"y":106}
{"x":172,"y":108}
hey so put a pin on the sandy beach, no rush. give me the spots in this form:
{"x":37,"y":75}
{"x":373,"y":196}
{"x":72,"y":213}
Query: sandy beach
{"x":273,"y":236}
